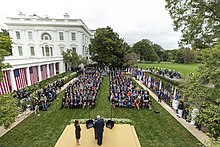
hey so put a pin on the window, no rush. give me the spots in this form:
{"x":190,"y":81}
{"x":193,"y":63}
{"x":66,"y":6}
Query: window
{"x":73,"y":36}
{"x":51,"y":51}
{"x":86,"y":51}
{"x":47,"y":50}
{"x":18,"y":35}
{"x":74,"y":49}
{"x":30,"y":36}
{"x":82,"y":38}
{"x":61,"y":36}
{"x":61,"y":50}
{"x":46,"y":36}
{"x":20,"y":52}
{"x":32,"y":51}
{"x":43,"y":51}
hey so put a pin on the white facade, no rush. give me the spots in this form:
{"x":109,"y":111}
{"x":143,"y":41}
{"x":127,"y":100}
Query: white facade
{"x":40,"y":41}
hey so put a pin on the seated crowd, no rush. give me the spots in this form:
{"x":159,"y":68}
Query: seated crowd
{"x":165,"y":72}
{"x":83,"y":91}
{"x":43,"y":99}
{"x":124,"y":94}
{"x":45,"y":96}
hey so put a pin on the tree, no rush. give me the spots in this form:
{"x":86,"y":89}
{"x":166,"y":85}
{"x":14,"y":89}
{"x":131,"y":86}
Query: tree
{"x":5,"y":49}
{"x":106,"y":47}
{"x":188,"y":55}
{"x":8,"y":110}
{"x":198,"y":20}
{"x":203,"y":89}
{"x":70,"y":56}
{"x":170,"y":57}
{"x":131,"y":59}
{"x":159,"y":50}
{"x":146,"y":51}
{"x":179,"y":57}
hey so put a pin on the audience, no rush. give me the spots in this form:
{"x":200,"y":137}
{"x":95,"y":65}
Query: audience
{"x":82,"y":92}
{"x":123,"y":92}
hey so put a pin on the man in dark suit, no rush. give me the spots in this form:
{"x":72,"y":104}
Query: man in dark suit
{"x":99,"y":126}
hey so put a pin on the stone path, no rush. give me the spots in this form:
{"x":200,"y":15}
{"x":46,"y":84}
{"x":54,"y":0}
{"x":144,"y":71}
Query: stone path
{"x":24,"y":115}
{"x":201,"y":136}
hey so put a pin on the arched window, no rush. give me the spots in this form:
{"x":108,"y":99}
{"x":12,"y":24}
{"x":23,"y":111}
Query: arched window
{"x":47,"y":49}
{"x":46,"y":36}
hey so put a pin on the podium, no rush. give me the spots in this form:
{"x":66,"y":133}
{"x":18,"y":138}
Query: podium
{"x":89,"y":124}
{"x":110,"y":124}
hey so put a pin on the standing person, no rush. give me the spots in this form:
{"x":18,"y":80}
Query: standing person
{"x":99,"y":125}
{"x":77,"y":131}
{"x":95,"y":132}
{"x":180,"y":109}
{"x":159,"y":95}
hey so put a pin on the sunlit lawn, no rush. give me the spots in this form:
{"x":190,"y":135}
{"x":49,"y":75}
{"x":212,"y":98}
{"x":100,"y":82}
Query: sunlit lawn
{"x":182,"y":68}
{"x":152,"y":129}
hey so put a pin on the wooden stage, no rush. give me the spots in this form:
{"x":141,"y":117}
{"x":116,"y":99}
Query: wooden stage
{"x":121,"y":135}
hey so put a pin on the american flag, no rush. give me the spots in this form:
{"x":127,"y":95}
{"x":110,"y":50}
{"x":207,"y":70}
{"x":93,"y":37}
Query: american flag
{"x":51,"y":68}
{"x":33,"y":74}
{"x":43,"y":69}
{"x":5,"y":86}
{"x":20,"y":78}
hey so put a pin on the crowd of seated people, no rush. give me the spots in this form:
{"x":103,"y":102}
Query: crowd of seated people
{"x":82,"y":92}
{"x":43,"y":99}
{"x":165,"y":72}
{"x":21,"y":94}
{"x":124,"y":94}
{"x":45,"y":96}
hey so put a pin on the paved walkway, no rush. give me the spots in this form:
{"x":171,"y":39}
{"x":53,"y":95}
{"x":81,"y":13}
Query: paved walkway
{"x":24,"y":115}
{"x":121,"y":135}
{"x":201,"y":136}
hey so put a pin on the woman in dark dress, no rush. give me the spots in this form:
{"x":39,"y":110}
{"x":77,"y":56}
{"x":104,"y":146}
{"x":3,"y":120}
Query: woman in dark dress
{"x":77,"y":131}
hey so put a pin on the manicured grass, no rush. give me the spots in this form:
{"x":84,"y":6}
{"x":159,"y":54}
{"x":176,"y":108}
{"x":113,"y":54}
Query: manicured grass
{"x":152,"y":129}
{"x":185,"y":69}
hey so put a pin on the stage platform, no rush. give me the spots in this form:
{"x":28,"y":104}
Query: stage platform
{"x":121,"y":135}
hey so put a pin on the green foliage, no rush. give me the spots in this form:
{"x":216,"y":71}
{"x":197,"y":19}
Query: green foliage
{"x":170,"y":57}
{"x":146,"y":51}
{"x":203,"y":90}
{"x":198,"y":20}
{"x":8,"y":110}
{"x":164,"y":79}
{"x":5,"y":49}
{"x":106,"y":47}
{"x":131,"y":58}
{"x":70,"y":56}
{"x":33,"y":88}
{"x":185,"y":55}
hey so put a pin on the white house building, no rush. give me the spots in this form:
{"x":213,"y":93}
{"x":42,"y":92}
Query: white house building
{"x":37,"y":48}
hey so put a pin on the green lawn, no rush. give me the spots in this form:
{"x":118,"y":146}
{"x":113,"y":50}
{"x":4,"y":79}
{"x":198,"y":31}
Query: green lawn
{"x":182,"y":68}
{"x":152,"y":129}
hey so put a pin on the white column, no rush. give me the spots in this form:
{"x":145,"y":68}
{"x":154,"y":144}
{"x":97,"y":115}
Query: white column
{"x":39,"y":73}
{"x":174,"y":96}
{"x":28,"y":76}
{"x":12,"y":80}
{"x":54,"y":68}
{"x":48,"y":70}
{"x":160,"y":85}
{"x":61,"y":67}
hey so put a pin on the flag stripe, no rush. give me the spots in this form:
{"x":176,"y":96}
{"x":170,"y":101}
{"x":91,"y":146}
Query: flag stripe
{"x":5,"y":84}
{"x":52,"y":70}
{"x":33,"y":74}
{"x":20,"y":78}
{"x":44,"y":72}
